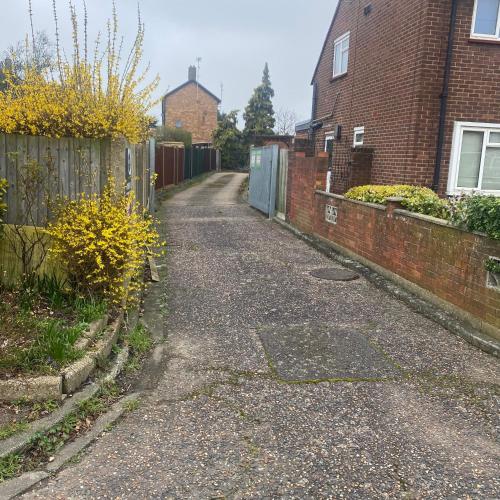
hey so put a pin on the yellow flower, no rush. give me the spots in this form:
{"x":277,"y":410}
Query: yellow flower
{"x":101,"y":245}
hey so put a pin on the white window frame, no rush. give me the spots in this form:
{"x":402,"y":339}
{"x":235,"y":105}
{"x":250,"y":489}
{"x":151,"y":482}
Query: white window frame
{"x":329,"y":136}
{"x":480,"y":36}
{"x":339,"y":40}
{"x":459,"y":129}
{"x":358,"y":130}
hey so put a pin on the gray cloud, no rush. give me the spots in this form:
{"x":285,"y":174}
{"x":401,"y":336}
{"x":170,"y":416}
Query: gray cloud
{"x":234,"y":38}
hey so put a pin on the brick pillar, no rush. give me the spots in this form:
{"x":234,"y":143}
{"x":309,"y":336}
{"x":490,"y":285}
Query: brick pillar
{"x":361,"y":167}
{"x":393,"y":203}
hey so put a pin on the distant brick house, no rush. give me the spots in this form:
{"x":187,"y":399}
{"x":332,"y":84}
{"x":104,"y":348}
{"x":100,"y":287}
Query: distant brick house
{"x":418,"y":84}
{"x":191,"y":107}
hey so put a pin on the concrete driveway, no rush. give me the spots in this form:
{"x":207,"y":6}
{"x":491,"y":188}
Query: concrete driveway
{"x":279,"y":384}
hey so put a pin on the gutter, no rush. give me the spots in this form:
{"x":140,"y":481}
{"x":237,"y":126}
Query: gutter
{"x":444,"y":96}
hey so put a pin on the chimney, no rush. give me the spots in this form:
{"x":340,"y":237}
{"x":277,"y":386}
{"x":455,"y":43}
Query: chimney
{"x":192,"y":73}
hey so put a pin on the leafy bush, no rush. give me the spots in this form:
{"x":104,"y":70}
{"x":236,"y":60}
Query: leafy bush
{"x":174,"y":135}
{"x":492,"y":265}
{"x":477,"y":213}
{"x":415,"y":198}
{"x":82,"y":96}
{"x":3,"y":190}
{"x":101,"y":241}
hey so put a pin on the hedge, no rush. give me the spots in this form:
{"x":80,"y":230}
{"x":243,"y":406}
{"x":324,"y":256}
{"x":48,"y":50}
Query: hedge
{"x":474,"y":212}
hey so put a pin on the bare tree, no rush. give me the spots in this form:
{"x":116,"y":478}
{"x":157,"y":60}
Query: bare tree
{"x":37,"y":54}
{"x":285,"y":122}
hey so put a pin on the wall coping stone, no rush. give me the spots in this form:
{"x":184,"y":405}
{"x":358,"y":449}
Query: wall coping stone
{"x":356,"y":202}
{"x":402,"y":212}
{"x":439,"y":222}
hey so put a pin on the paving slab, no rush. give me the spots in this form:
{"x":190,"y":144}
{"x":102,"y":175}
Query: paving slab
{"x":313,"y":352}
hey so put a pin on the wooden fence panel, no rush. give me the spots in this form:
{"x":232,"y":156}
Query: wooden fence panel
{"x":69,"y":167}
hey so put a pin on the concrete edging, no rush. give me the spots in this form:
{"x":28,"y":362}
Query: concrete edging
{"x":416,"y":297}
{"x":21,"y":484}
{"x":53,"y":387}
{"x":18,"y":443}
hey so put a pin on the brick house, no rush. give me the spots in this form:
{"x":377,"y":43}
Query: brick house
{"x":191,"y":107}
{"x":417,"y":85}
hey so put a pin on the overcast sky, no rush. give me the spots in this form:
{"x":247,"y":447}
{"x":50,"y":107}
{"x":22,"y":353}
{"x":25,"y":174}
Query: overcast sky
{"x":234,"y":38}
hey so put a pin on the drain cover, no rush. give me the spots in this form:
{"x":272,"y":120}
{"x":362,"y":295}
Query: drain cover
{"x":335,"y":274}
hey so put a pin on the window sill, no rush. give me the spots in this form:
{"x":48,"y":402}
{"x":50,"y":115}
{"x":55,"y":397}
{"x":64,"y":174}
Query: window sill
{"x":486,"y":41}
{"x":338,"y":77}
{"x":469,"y":192}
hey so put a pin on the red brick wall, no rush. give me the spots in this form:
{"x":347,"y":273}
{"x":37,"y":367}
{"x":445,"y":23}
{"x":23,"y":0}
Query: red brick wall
{"x":304,"y":174}
{"x":444,"y":260}
{"x":394,"y":80}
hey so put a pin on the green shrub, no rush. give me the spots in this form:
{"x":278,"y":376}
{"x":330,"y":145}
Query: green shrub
{"x":415,"y":198}
{"x":479,"y":213}
{"x":492,"y":265}
{"x":169,"y":134}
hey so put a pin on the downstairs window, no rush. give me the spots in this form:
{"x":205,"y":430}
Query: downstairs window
{"x":475,"y":162}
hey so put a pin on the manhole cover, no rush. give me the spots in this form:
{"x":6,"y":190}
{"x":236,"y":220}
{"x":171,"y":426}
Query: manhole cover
{"x":335,"y":274}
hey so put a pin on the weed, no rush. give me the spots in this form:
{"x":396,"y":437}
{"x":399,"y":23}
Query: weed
{"x":132,"y":366}
{"x":43,"y":408}
{"x":12,"y":428}
{"x":90,"y":407}
{"x":139,"y":340}
{"x":109,"y":390}
{"x":9,"y":467}
{"x":131,"y":405}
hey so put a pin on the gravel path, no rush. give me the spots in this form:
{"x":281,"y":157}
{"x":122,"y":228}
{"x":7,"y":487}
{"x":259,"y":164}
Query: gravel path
{"x":279,"y":384}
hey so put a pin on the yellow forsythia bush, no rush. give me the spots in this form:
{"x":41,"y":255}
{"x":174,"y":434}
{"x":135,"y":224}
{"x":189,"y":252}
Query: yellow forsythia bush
{"x":80,"y":107}
{"x":101,"y":241}
{"x":80,"y":96}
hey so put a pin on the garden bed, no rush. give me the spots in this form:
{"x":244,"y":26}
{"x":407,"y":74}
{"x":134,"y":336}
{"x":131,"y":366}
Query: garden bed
{"x":50,"y":341}
{"x":40,"y":329}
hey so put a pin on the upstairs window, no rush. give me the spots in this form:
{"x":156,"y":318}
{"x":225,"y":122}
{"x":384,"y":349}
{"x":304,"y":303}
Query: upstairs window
{"x":486,"y":21}
{"x":341,"y":55}
{"x":475,"y":162}
{"x":329,"y":141}
{"x":359,"y":136}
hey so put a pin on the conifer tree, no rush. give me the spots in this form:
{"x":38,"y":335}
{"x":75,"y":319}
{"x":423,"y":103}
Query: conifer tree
{"x":259,"y":114}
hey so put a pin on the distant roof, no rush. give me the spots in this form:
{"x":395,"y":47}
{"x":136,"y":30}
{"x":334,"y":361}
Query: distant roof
{"x":185,"y":84}
{"x":301,"y":126}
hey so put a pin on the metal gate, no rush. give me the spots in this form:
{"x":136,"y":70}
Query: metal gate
{"x":263,"y":177}
{"x":282,"y":179}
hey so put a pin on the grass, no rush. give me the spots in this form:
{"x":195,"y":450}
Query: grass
{"x":139,"y":341}
{"x":41,"y":322}
{"x":50,"y":348}
{"x":131,"y":405}
{"x":90,"y":310}
{"x":8,"y":430}
{"x":10,"y":466}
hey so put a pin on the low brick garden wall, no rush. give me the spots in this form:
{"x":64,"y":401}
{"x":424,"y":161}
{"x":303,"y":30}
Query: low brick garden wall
{"x":427,"y":252}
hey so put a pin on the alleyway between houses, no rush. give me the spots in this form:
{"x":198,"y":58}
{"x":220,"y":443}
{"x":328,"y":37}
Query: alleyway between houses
{"x":276,"y":384}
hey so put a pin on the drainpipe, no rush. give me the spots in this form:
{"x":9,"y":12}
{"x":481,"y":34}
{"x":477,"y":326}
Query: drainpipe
{"x":444,"y":96}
